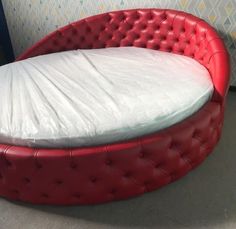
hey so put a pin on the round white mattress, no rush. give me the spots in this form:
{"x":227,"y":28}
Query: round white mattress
{"x":92,"y":97}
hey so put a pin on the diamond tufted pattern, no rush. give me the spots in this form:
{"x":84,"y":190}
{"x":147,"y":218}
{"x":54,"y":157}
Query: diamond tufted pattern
{"x":109,"y":172}
{"x":118,"y":171}
{"x":165,"y":30}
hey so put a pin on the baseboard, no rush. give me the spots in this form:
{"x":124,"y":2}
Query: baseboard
{"x":232,"y":88}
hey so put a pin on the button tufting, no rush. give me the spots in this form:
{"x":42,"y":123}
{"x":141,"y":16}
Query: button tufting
{"x":88,"y":30}
{"x":77,"y":195}
{"x":59,"y":182}
{"x":73,"y":165}
{"x":163,"y":37}
{"x":93,"y":179}
{"x":26,"y":180}
{"x":158,"y":165}
{"x":174,"y":146}
{"x":169,"y":49}
{"x":39,"y":166}
{"x":8,"y":163}
{"x":181,"y":51}
{"x":150,"y":37}
{"x":108,"y":162}
{"x":102,"y":28}
{"x":164,"y":17}
{"x":113,"y":191}
{"x":176,"y":39}
{"x":141,"y":154}
{"x":82,"y":38}
{"x":144,"y":26}
{"x":157,"y":27}
{"x":116,"y":27}
{"x":167,"y":165}
{"x":45,"y":195}
{"x":55,"y":42}
{"x":156,"y":47}
{"x":74,"y":32}
{"x":127,"y":175}
{"x":15,"y":191}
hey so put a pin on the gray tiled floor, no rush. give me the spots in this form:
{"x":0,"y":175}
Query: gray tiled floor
{"x":206,"y":198}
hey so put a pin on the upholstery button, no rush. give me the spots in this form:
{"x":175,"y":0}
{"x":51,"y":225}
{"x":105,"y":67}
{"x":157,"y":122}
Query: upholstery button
{"x":127,"y":175}
{"x":176,"y":39}
{"x":164,"y":17}
{"x":169,"y":49}
{"x":181,"y":51}
{"x":116,"y":27}
{"x":149,"y":16}
{"x":143,"y":45}
{"x":122,"y":36}
{"x":77,"y":195}
{"x":26,"y":180}
{"x":156,"y":46}
{"x":113,"y":191}
{"x":88,"y":29}
{"x":45,"y":195}
{"x":137,"y":17}
{"x":93,"y":179}
{"x":1,"y":177}
{"x":73,"y":165}
{"x":55,"y":43}
{"x":8,"y":163}
{"x":158,"y":165}
{"x":137,"y":36}
{"x":174,"y":146}
{"x":39,"y":166}
{"x":82,"y":38}
{"x":150,"y":37}
{"x":109,"y":18}
{"x":123,"y":17}
{"x":173,"y":175}
{"x":108,"y":162}
{"x":59,"y":182}
{"x":68,"y":40}
{"x":76,"y":47}
{"x":102,"y":28}
{"x":163,"y":37}
{"x":15,"y":191}
{"x":141,"y":155}
{"x":144,"y":26}
{"x":74,"y":31}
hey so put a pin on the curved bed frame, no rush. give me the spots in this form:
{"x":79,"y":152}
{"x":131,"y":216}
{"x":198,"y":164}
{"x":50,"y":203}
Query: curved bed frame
{"x":121,"y":170}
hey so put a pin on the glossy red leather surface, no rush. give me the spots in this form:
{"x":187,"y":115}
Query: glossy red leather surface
{"x":118,"y":171}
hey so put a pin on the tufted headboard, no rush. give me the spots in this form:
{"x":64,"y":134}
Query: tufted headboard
{"x":159,"y":29}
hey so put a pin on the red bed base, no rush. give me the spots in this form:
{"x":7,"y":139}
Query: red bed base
{"x":118,"y":171}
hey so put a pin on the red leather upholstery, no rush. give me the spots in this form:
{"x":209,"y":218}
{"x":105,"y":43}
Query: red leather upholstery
{"x":166,"y":30}
{"x":118,"y":171}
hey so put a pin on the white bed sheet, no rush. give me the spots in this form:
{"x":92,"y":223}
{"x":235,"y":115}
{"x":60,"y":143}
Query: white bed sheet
{"x":97,"y":96}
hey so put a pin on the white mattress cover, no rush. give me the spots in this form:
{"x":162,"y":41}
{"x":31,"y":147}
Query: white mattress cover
{"x":97,"y":96}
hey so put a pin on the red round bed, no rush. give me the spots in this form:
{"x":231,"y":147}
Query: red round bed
{"x":89,"y":175}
